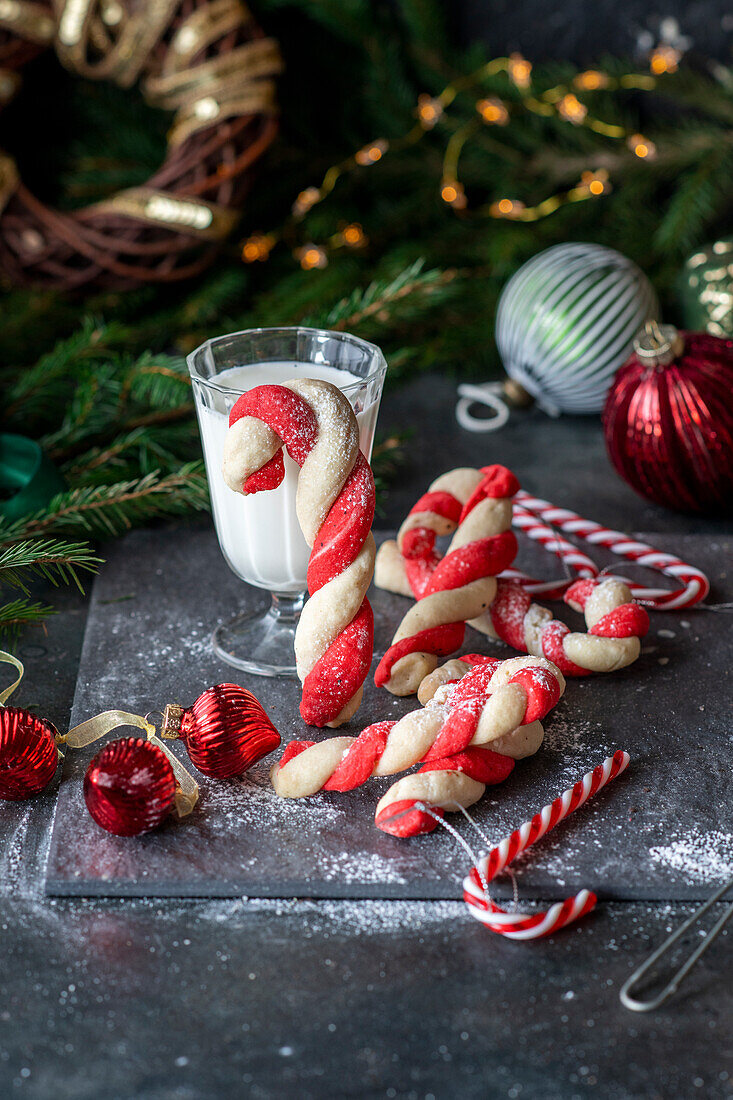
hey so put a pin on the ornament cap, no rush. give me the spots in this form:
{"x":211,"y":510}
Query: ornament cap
{"x":516,"y":395}
{"x":172,"y":719}
{"x":657,"y":345}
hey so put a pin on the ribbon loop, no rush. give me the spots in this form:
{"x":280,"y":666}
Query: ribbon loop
{"x":9,"y":659}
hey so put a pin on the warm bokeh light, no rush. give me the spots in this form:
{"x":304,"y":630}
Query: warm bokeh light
{"x":311,"y":256}
{"x":257,"y":247}
{"x":520,"y":70}
{"x":429,"y":111}
{"x":642,"y":147}
{"x":591,"y":80}
{"x":571,"y":109}
{"x":370,"y":154}
{"x":596,"y":182}
{"x":664,"y":59}
{"x":506,"y":208}
{"x":493,"y":111}
{"x":353,"y":235}
{"x":305,"y":200}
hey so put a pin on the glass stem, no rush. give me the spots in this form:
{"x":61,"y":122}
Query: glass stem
{"x":286,"y":607}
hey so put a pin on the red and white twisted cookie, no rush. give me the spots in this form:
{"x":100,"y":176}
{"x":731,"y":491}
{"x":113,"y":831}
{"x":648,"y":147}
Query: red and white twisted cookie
{"x":497,"y":703}
{"x":335,"y":507}
{"x":615,"y":625}
{"x":615,"y":622}
{"x":476,"y":505}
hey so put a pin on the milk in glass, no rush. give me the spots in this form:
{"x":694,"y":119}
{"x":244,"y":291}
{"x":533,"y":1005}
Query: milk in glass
{"x":259,"y":534}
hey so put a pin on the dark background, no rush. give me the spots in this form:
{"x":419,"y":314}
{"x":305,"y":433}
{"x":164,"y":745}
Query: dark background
{"x":586,"y":30}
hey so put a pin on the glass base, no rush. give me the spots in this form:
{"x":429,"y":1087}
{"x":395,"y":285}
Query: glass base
{"x":262,"y":641}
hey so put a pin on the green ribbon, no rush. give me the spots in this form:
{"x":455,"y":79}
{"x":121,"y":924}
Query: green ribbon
{"x":31,"y":478}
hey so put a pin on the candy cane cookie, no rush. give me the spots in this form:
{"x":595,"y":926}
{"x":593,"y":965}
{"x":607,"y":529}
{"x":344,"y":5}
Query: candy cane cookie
{"x":497,"y":704}
{"x":448,"y":784}
{"x":615,"y":625}
{"x":476,"y":505}
{"x":615,"y":621}
{"x":335,"y":508}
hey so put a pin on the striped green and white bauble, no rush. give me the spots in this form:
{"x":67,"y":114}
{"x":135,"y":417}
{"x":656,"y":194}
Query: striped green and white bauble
{"x":566,"y":323}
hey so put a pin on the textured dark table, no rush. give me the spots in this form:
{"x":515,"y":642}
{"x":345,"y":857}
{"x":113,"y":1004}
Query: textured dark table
{"x":377,"y":998}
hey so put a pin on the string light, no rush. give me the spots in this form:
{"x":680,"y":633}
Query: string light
{"x":352,"y":236}
{"x":664,"y":59}
{"x":258,"y":247}
{"x":520,"y":70}
{"x":595,"y":182}
{"x":642,"y":147}
{"x":571,"y":109}
{"x":451,"y":191}
{"x":372,"y":153}
{"x":429,"y":111}
{"x":493,"y":111}
{"x":311,"y":256}
{"x":305,"y":200}
{"x":591,"y":80}
{"x":507,"y":208}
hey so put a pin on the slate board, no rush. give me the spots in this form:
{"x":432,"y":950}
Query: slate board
{"x":660,"y":832}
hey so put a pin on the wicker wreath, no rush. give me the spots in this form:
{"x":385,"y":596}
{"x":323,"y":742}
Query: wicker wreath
{"x":205,"y":60}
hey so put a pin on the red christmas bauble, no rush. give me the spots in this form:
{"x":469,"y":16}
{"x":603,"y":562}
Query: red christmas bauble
{"x":668,"y":420}
{"x":28,"y":754}
{"x":129,"y":787}
{"x":226,"y":731}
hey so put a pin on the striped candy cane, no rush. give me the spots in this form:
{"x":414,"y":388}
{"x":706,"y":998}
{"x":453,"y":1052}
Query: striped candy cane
{"x":695,"y":584}
{"x":525,"y":926}
{"x":574,"y":559}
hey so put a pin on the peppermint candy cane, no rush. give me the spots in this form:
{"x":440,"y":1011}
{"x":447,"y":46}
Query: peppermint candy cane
{"x":497,"y":703}
{"x":695,"y":584}
{"x":335,"y":507}
{"x":572,"y":558}
{"x":476,"y":505}
{"x":525,"y":926}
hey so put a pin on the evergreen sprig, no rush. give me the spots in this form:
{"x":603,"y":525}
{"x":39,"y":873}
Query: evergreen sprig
{"x":102,"y":382}
{"x":53,"y":559}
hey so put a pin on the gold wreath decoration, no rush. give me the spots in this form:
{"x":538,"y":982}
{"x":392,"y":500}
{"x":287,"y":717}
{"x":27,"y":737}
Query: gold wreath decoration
{"x":206,"y":61}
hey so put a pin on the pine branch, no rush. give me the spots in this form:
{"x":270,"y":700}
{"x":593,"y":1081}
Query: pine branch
{"x":55,"y":560}
{"x":18,"y":614}
{"x":381,"y":300}
{"x":109,"y":510}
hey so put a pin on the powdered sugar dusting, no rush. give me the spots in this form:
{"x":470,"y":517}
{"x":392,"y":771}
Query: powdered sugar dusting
{"x":702,"y":857}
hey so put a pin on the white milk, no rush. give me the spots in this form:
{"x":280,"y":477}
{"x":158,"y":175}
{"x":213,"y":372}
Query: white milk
{"x":259,"y":535}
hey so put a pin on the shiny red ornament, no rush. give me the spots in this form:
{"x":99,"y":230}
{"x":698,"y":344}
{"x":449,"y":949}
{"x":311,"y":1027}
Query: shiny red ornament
{"x":668,"y":420}
{"x":129,"y":787}
{"x":28,"y":753}
{"x":226,"y":730}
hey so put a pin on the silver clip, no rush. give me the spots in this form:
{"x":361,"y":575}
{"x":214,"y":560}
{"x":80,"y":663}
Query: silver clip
{"x":675,"y":981}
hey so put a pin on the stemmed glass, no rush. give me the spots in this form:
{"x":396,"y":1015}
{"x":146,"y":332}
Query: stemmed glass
{"x":259,"y":535}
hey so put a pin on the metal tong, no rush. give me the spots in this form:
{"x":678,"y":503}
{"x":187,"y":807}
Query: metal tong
{"x":637,"y":1005}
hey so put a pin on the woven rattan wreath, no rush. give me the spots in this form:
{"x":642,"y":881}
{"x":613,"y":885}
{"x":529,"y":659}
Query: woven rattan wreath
{"x":207,"y":61}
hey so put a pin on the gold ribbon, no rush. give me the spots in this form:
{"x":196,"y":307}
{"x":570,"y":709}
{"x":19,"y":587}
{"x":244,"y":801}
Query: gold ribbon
{"x":86,"y":733}
{"x":29,"y":21}
{"x":9,"y":659}
{"x":193,"y":216}
{"x":239,"y":82}
{"x":187,"y":790}
{"x":123,"y":62}
{"x":202,"y":28}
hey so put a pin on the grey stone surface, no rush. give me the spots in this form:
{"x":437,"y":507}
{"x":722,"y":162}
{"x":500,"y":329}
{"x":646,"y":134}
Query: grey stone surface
{"x":154,"y":1000}
{"x":310,"y":1000}
{"x":661,"y":832}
